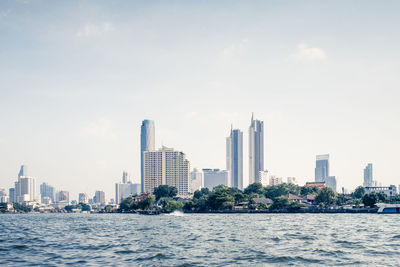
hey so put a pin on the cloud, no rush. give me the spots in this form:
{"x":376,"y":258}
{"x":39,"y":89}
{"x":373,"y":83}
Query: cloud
{"x":101,"y":129}
{"x":191,"y":114}
{"x":234,"y":48}
{"x":307,"y":53}
{"x":95,"y":30}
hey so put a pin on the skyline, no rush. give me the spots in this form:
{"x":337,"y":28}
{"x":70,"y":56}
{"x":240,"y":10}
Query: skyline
{"x":73,"y":100}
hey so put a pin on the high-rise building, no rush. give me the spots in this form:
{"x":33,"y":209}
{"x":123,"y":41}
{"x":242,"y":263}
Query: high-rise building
{"x":256,"y":149}
{"x":126,"y":188}
{"x":62,"y":196}
{"x":25,"y":187}
{"x":196,"y":180}
{"x":322,"y":168}
{"x":331,"y":182}
{"x":83,"y":198}
{"x":214,"y":177}
{"x":234,"y":158}
{"x":47,"y":190}
{"x":166,"y":167}
{"x":291,"y":180}
{"x":11,"y":194}
{"x":147,"y":143}
{"x":273,"y":180}
{"x":263,"y":178}
{"x":368,"y":178}
{"x":99,"y":197}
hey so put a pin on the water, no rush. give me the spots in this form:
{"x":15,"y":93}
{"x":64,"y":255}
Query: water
{"x":200,"y":239}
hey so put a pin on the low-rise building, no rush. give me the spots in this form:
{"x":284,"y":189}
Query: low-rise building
{"x":388,"y":190}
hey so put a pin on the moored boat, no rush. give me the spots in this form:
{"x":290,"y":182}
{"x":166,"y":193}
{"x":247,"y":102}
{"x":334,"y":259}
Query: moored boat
{"x":390,"y":208}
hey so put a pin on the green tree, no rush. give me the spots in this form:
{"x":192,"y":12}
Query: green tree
{"x":220,"y":198}
{"x":326,"y":197}
{"x":280,"y":203}
{"x":382,"y":197}
{"x":369,"y":200}
{"x":108,"y":208}
{"x":359,"y":192}
{"x":126,"y":204}
{"x":254,"y":188}
{"x":309,"y":190}
{"x":199,"y":193}
{"x":85,"y":207}
{"x":169,"y":205}
{"x":146,"y":203}
{"x":165,"y":191}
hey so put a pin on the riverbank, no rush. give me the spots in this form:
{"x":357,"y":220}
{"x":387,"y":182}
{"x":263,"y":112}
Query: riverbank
{"x":361,"y":210}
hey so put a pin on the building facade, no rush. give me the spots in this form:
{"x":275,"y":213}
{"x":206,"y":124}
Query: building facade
{"x":99,"y":197}
{"x":62,"y":196}
{"x":196,"y":180}
{"x":256,"y":149}
{"x":388,"y":190}
{"x":147,"y":143}
{"x":234,"y":158}
{"x":166,"y":166}
{"x":321,"y":168}
{"x":273,"y":180}
{"x":83,"y":198}
{"x":368,"y":178}
{"x":214,"y":177}
{"x":47,"y":190}
{"x":126,"y":188}
{"x":263,"y":178}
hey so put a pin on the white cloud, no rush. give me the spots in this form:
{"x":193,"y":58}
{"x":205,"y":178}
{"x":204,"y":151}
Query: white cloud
{"x":101,"y":129}
{"x":234,"y":48}
{"x":95,"y":30}
{"x":307,"y":53}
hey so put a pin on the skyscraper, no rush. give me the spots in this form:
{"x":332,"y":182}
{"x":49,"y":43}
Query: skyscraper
{"x":23,"y":171}
{"x":126,"y":188}
{"x":256,"y":149}
{"x":196,"y":180}
{"x":99,"y":197}
{"x":47,"y":190}
{"x":214,"y":177}
{"x":166,"y":166}
{"x":25,"y":187}
{"x":368,"y":178}
{"x":234,"y":158}
{"x":147,"y":143}
{"x":322,"y":168}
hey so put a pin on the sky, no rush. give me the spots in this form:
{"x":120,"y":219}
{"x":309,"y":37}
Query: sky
{"x":78,"y":77}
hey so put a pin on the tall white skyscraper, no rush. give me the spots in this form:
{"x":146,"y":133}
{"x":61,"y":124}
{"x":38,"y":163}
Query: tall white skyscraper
{"x":234,"y":158}
{"x":256,"y":149}
{"x":322,"y":168}
{"x":47,"y":190}
{"x":368,"y":178}
{"x":166,"y":167}
{"x":147,"y":143}
{"x":25,"y":187}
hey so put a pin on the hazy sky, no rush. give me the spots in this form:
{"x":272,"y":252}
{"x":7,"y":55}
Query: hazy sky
{"x":78,"y":77}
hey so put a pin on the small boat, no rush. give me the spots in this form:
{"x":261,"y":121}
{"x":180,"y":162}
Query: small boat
{"x":390,"y":208}
{"x":149,"y":212}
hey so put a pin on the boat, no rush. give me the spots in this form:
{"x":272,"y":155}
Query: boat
{"x":149,"y":212}
{"x":390,"y":208}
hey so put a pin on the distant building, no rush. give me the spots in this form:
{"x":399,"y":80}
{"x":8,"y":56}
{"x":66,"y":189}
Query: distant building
{"x":234,"y":158}
{"x":99,"y":197}
{"x":83,"y":198}
{"x":273,"y":180}
{"x":320,"y":185}
{"x":196,"y":180}
{"x":147,"y":143}
{"x":11,"y":194}
{"x":3,"y":196}
{"x":322,"y":168}
{"x":214,"y":177}
{"x":25,"y":187}
{"x":368,"y":178}
{"x":166,"y":166}
{"x":62,"y":196}
{"x":47,"y":190}
{"x":263,"y":178}
{"x":291,"y":180}
{"x":330,"y":181}
{"x":126,"y":188}
{"x":256,"y":149}
{"x":388,"y":190}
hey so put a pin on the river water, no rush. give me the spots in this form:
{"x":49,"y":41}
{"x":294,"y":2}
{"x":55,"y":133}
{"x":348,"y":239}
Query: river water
{"x":200,"y":239}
